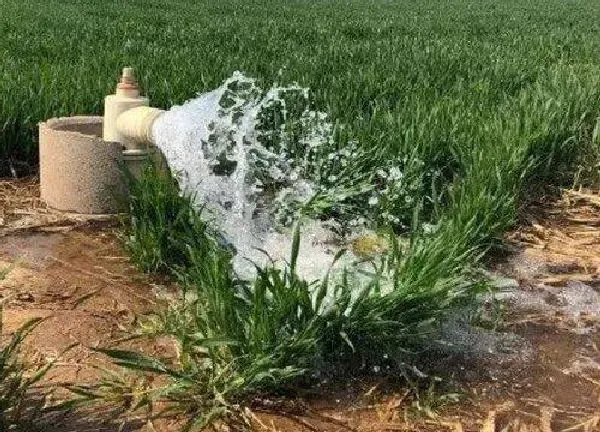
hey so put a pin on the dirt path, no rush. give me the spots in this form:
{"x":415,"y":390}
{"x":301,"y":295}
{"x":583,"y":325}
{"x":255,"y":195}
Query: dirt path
{"x":71,"y":271}
{"x":537,"y":370}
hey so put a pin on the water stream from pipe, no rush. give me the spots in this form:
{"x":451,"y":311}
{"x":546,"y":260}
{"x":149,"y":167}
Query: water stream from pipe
{"x":244,"y":154}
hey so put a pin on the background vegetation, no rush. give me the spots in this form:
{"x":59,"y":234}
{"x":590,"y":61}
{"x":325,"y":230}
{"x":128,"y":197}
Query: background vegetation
{"x":410,"y":78}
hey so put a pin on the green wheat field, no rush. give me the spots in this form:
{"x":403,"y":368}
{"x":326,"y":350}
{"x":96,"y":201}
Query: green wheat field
{"x":478,"y":102}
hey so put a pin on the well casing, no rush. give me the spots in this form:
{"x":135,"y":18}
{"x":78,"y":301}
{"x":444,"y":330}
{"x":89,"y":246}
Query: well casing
{"x":79,"y":172}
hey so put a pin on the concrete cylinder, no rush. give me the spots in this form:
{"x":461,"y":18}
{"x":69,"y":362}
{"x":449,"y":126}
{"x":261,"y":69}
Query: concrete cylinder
{"x":80,"y":172}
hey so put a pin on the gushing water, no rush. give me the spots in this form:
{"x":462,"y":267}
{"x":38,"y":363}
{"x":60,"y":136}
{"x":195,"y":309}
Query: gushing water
{"x":251,"y":160}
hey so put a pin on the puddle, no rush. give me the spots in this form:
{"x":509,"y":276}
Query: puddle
{"x":33,"y":249}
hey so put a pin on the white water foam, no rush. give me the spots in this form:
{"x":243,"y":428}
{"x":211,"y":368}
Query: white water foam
{"x":249,"y":177}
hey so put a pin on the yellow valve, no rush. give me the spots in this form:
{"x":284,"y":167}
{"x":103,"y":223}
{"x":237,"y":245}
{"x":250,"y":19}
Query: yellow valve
{"x":369,"y":245}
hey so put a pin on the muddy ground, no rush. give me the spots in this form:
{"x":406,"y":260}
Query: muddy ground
{"x":532,"y":362}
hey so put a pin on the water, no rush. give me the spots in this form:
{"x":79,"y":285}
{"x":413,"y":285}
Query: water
{"x":251,"y":158}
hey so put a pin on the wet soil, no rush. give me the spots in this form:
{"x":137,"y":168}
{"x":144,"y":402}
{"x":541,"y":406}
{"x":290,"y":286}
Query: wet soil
{"x":533,"y":364}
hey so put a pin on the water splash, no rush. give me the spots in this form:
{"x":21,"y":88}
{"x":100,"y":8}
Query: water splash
{"x":252,"y":160}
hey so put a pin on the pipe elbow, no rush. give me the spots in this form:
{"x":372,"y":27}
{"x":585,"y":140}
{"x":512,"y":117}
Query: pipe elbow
{"x":136,"y":124}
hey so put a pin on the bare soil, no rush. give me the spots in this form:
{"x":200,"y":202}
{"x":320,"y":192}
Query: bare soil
{"x":538,"y":369}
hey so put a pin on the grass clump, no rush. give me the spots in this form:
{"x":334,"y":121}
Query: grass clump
{"x":164,"y":225}
{"x":236,"y":338}
{"x":19,"y":407}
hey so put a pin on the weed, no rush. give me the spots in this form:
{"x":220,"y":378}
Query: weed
{"x":164,"y":224}
{"x":4,"y":272}
{"x":19,"y":408}
{"x":489,"y":313}
{"x":429,"y":400}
